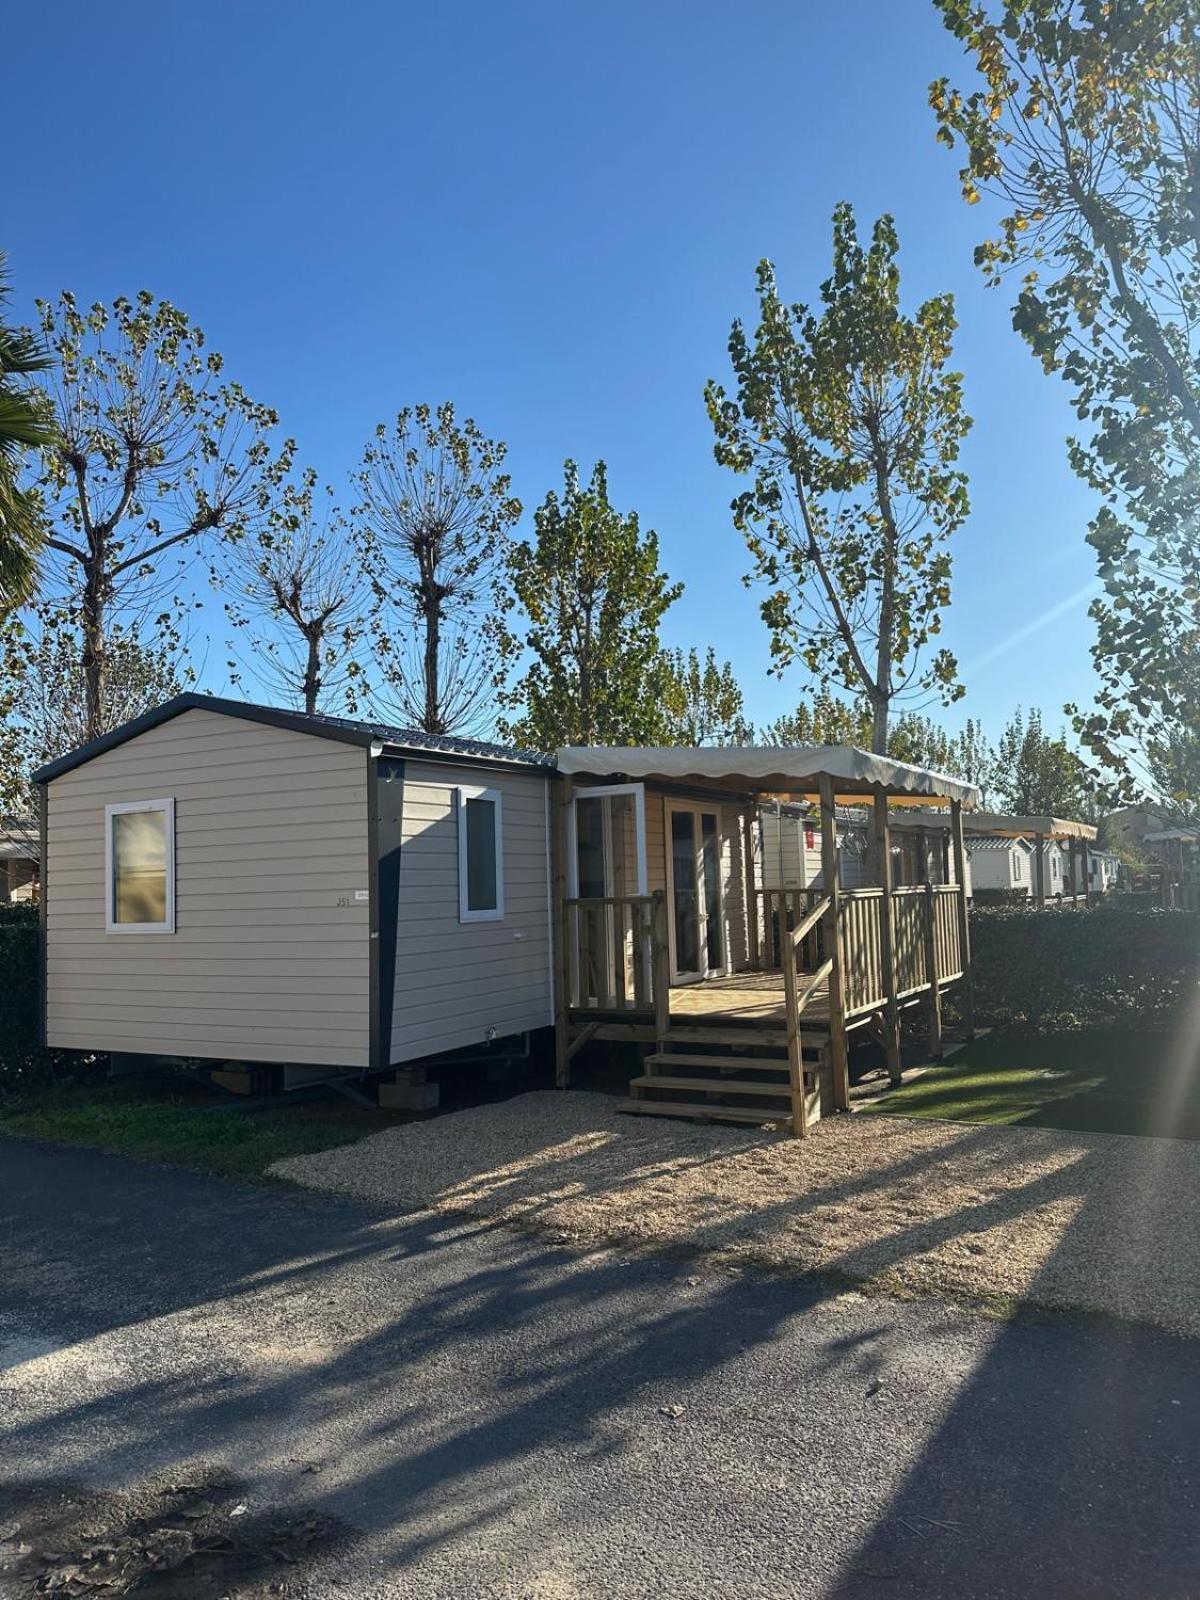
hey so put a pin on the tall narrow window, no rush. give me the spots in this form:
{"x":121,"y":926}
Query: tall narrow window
{"x":140,"y":867}
{"x":480,"y":856}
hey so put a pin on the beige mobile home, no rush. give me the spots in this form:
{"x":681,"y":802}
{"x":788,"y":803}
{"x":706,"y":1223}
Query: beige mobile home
{"x":232,"y":882}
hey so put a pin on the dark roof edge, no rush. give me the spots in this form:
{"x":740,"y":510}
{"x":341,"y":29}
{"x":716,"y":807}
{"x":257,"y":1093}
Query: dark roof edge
{"x":274,"y":717}
{"x":295,"y":721}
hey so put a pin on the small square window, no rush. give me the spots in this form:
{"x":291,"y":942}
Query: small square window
{"x":480,"y":856}
{"x":140,"y":867}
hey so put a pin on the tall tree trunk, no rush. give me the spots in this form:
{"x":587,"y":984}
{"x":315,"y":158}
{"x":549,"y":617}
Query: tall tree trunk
{"x":312,"y":672}
{"x":431,"y":614}
{"x":881,"y":691}
{"x":432,"y":720}
{"x":879,"y":724}
{"x":94,"y":655}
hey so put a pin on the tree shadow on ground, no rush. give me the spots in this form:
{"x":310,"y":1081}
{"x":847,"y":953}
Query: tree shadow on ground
{"x":441,"y":1367}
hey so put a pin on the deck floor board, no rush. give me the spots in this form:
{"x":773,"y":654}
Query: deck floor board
{"x":743,"y":997}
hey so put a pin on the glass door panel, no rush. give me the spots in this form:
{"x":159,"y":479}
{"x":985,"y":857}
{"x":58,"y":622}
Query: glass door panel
{"x":710,"y":871}
{"x":685,"y":895}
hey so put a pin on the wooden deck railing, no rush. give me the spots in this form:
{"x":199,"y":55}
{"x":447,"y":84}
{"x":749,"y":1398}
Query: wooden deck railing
{"x":925,"y":939}
{"x":610,"y":948}
{"x":617,"y":947}
{"x":779,"y":911}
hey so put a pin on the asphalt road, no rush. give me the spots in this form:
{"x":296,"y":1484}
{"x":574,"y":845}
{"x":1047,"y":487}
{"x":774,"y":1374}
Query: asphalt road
{"x":487,"y":1417}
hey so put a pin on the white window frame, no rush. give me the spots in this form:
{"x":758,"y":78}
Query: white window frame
{"x":601,"y":791}
{"x":463,"y":793}
{"x":111,"y":925}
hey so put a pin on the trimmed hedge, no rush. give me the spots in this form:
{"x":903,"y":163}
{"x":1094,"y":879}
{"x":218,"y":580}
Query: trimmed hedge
{"x":1000,"y":897}
{"x":24,"y":1064}
{"x":1063,"y":968}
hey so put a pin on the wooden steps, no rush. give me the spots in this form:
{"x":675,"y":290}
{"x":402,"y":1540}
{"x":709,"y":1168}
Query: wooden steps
{"x":682,"y":1078}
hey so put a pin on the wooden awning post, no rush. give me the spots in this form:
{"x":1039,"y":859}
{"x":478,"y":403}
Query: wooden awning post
{"x":1039,"y":846}
{"x":830,"y":873}
{"x":559,"y":926}
{"x":1085,"y":871}
{"x":967,"y":991}
{"x":891,"y":1010}
{"x":660,"y":967}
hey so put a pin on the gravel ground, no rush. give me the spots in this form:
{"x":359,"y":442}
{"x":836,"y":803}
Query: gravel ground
{"x":1094,"y":1222}
{"x":267,"y":1390}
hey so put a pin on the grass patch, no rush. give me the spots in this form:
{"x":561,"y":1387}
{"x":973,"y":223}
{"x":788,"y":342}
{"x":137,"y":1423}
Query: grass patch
{"x":163,"y":1120}
{"x":1108,"y":1081}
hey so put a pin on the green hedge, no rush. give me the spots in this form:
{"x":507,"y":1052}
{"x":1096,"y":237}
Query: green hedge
{"x":24,"y":1064}
{"x":1063,"y":968}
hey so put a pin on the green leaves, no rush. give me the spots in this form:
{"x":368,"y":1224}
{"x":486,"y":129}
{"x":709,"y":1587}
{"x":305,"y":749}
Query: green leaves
{"x":704,"y":701}
{"x":848,"y":424}
{"x":1085,"y":127}
{"x":590,"y":585}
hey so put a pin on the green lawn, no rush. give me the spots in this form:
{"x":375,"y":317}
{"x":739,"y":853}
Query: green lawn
{"x":162,"y":1119}
{"x":1109,"y":1082}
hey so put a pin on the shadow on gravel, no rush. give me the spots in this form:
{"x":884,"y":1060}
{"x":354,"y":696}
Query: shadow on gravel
{"x":448,"y":1378}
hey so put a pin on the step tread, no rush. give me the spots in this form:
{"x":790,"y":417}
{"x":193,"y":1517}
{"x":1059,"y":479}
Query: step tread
{"x":656,"y":1080}
{"x":695,"y":1058}
{"x":703,"y":1112}
{"x":749,"y":1038}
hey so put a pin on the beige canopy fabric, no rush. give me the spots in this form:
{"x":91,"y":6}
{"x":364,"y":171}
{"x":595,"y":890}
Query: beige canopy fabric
{"x":784,"y":772}
{"x":1007,"y":827}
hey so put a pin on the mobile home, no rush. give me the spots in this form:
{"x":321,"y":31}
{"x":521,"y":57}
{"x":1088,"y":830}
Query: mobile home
{"x":230,"y":881}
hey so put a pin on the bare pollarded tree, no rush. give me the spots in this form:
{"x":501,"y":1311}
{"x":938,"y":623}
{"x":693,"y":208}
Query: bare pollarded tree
{"x":299,"y":600}
{"x":433,"y":534}
{"x":156,"y":458}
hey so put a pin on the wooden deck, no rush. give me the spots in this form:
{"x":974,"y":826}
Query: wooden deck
{"x":748,"y":997}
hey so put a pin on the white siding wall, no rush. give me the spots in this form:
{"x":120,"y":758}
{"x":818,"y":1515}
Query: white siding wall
{"x":802,"y":861}
{"x":455,"y":980}
{"x":265,"y":964}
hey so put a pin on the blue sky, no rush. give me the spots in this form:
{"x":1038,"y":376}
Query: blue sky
{"x":549,"y":213}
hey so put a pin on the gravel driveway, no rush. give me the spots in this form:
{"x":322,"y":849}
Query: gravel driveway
{"x":1094,"y":1222}
{"x":285,"y":1394}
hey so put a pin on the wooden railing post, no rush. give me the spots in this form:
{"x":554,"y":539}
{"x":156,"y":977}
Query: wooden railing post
{"x":837,"y":1015}
{"x":794,"y":1048}
{"x":891,"y":1010}
{"x":660,"y":966}
{"x":934,"y":999}
{"x":967,"y":990}
{"x":559,"y":928}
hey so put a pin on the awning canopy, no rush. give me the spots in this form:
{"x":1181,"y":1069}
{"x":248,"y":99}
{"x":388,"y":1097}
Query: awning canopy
{"x":786,"y":772}
{"x":1007,"y":827}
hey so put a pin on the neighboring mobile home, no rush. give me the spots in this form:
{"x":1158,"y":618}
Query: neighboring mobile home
{"x":1104,"y":871}
{"x":1005,"y":864}
{"x":18,"y":860}
{"x":228,"y":881}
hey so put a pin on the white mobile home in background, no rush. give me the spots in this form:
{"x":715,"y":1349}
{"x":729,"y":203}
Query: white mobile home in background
{"x":1005,"y":864}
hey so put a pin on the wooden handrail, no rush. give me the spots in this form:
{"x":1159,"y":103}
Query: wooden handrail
{"x":809,"y":922}
{"x":804,"y":995}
